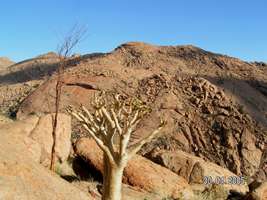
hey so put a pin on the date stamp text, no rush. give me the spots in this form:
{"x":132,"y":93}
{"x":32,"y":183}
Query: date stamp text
{"x":224,"y":180}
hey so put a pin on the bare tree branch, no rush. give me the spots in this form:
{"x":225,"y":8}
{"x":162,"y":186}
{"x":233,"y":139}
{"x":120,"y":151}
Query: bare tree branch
{"x":120,"y":118}
{"x":71,"y":40}
{"x":108,"y":117}
{"x":115,"y":118}
{"x":98,"y":140}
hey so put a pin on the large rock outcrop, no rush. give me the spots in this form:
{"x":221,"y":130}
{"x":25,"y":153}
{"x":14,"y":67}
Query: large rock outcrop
{"x":259,"y":193}
{"x":197,"y":171}
{"x":201,"y":94}
{"x":37,"y":135}
{"x":5,"y":62}
{"x":42,"y":134}
{"x":24,"y":179}
{"x":203,"y":119}
{"x":139,"y":172}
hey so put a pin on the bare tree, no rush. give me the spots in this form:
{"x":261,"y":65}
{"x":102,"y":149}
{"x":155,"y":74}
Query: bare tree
{"x":111,"y":125}
{"x":75,"y":35}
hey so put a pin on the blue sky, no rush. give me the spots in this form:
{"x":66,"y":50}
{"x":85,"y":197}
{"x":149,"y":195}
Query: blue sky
{"x":233,"y":27}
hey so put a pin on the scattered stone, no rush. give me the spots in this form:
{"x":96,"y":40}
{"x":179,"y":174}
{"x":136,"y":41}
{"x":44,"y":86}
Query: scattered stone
{"x":195,"y":170}
{"x":251,"y":154}
{"x":224,"y":112}
{"x":259,"y":193}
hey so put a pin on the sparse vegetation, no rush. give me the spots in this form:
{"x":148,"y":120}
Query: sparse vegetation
{"x":64,"y":51}
{"x":111,"y":125}
{"x":202,"y":119}
{"x":58,"y":169}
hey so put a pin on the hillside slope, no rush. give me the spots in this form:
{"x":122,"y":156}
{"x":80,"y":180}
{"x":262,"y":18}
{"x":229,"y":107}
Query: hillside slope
{"x":215,"y":105}
{"x":5,"y":62}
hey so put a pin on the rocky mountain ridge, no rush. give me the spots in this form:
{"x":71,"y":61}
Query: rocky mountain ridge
{"x":215,"y":105}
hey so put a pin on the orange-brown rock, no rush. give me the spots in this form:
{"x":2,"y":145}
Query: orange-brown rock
{"x":42,"y":134}
{"x":139,"y":172}
{"x":200,"y":93}
{"x":23,"y":178}
{"x":259,"y":193}
{"x":37,"y":136}
{"x":5,"y":62}
{"x":197,"y":171}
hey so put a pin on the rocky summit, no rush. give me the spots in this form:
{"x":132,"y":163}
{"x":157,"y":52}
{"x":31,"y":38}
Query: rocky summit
{"x":5,"y":62}
{"x":215,"y":107}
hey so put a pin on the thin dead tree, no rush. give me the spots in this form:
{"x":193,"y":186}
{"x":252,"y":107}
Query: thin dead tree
{"x":75,"y":35}
{"x":111,"y":125}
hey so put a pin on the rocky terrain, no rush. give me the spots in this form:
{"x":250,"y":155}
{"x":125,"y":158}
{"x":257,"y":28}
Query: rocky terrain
{"x":215,"y":106}
{"x":5,"y":62}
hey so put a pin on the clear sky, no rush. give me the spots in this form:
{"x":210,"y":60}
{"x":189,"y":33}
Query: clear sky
{"x":234,"y":27}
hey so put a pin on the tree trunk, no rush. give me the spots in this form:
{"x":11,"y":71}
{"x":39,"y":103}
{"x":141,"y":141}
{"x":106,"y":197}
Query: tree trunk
{"x":112,"y":181}
{"x":55,"y":119}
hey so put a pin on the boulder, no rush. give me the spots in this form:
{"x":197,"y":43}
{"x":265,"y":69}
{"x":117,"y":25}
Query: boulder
{"x":34,"y":149}
{"x":143,"y":173}
{"x":24,"y":179}
{"x":259,"y":193}
{"x":131,"y":193}
{"x":251,"y":154}
{"x":128,"y":192}
{"x":195,"y":170}
{"x":37,"y":136}
{"x":23,"y":127}
{"x":139,"y":172}
{"x":42,"y":134}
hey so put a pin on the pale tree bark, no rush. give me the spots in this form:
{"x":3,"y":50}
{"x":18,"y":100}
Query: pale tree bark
{"x":111,"y":118}
{"x":112,"y":180}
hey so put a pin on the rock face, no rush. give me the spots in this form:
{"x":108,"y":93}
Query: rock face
{"x":251,"y":154}
{"x":4,"y":120}
{"x":24,"y":179}
{"x":139,"y":172}
{"x":216,"y":130}
{"x":37,"y":133}
{"x":197,"y":171}
{"x":143,"y":173}
{"x":200,"y":93}
{"x":130,"y":193}
{"x":42,"y":134}
{"x":5,"y":62}
{"x":34,"y":149}
{"x":22,"y":127}
{"x":260,"y":193}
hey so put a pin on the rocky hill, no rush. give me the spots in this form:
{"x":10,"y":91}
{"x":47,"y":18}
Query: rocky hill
{"x":5,"y":62}
{"x":18,"y":80}
{"x":132,"y":62}
{"x":215,"y":105}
